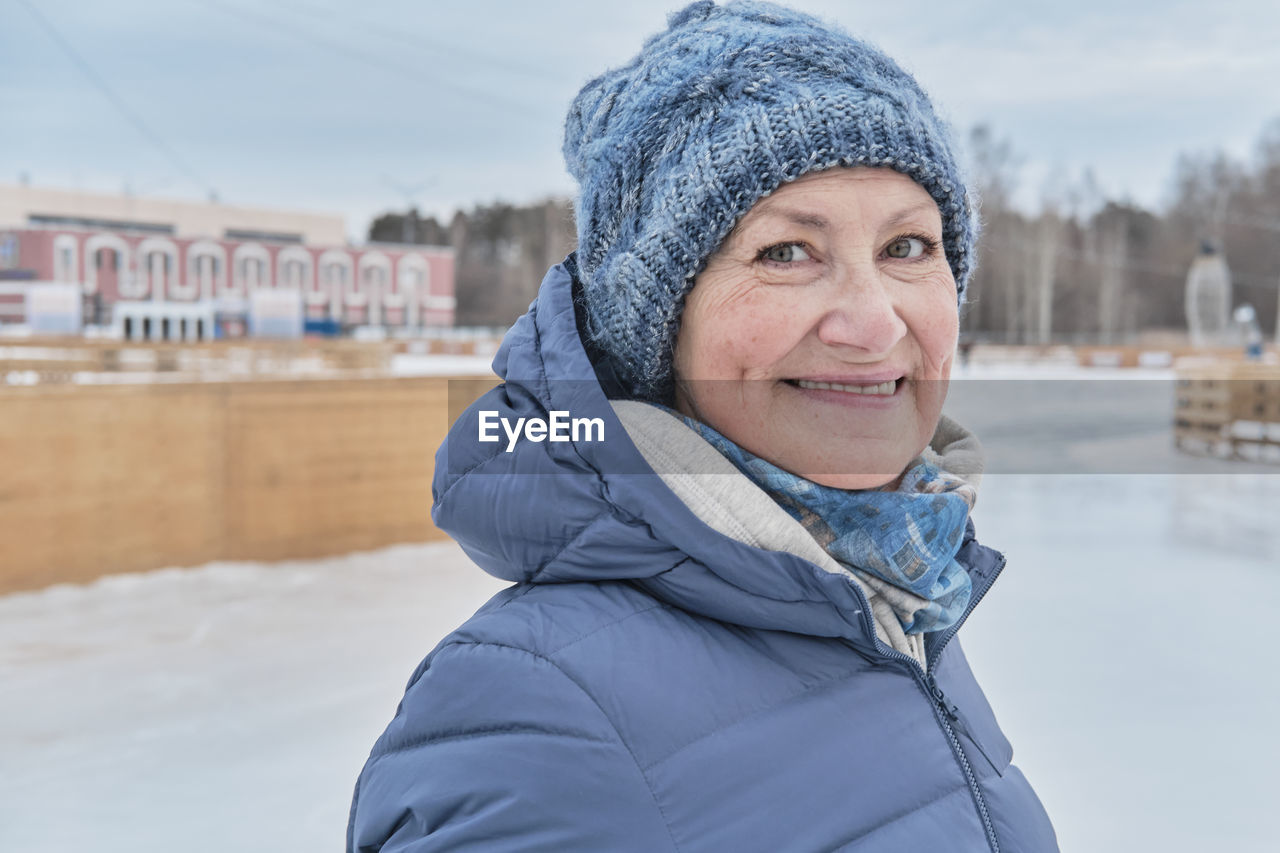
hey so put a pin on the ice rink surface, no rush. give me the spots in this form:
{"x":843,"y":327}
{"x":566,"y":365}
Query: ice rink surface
{"x":1126,"y":650}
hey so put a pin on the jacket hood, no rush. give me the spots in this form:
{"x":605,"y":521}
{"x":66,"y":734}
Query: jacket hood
{"x":590,"y":508}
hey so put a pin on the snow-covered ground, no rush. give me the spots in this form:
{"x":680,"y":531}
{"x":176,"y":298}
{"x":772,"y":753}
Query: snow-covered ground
{"x":1126,"y":650}
{"x":409,"y":364}
{"x":224,"y":708}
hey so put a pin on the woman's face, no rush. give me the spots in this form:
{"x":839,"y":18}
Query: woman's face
{"x":820,"y":335}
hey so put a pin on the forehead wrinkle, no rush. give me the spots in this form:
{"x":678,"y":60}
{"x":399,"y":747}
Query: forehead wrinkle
{"x":808,"y":219}
{"x":762,"y":213}
{"x":909,"y":213}
{"x":795,"y":217}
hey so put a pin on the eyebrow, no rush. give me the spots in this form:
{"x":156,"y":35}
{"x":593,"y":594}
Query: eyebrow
{"x":813,"y":220}
{"x":797,"y":217}
{"x":909,"y":213}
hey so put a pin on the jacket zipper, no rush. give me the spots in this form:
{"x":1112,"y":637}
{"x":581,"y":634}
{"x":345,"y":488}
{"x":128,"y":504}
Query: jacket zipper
{"x":944,"y":711}
{"x":946,"y":718}
{"x":952,"y":713}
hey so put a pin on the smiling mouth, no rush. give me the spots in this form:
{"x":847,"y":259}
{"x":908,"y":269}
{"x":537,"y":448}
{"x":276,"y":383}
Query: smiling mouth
{"x":879,"y":389}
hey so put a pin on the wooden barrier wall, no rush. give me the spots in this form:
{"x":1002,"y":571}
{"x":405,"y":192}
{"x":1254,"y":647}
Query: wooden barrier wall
{"x":59,"y":359}
{"x":96,"y":480}
{"x":1228,"y":408}
{"x":1150,"y":356}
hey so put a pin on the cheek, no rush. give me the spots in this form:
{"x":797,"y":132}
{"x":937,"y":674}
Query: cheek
{"x":937,"y":328}
{"x":727,"y":338}
{"x":945,"y":338}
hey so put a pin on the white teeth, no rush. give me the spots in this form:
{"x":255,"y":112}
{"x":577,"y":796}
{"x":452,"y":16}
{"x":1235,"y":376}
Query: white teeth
{"x":884,"y":388}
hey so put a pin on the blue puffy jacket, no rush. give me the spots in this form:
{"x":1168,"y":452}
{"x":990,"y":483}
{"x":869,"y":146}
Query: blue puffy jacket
{"x":649,"y":684}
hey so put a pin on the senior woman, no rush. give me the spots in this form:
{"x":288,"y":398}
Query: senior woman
{"x":738,"y":585}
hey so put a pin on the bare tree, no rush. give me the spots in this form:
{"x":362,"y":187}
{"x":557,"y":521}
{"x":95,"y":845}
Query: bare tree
{"x":996,"y":301}
{"x":1113,"y":251}
{"x":1048,"y":248}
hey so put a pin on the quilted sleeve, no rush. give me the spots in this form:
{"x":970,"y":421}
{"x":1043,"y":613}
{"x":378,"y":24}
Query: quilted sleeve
{"x":495,"y":749}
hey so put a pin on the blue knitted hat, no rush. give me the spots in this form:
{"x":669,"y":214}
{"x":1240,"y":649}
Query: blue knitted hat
{"x":728,"y":104}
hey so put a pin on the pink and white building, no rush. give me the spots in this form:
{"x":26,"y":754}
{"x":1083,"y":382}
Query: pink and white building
{"x":121,"y":249}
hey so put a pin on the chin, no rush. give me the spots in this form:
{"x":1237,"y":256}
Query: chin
{"x":858,"y":471}
{"x":856,"y":482}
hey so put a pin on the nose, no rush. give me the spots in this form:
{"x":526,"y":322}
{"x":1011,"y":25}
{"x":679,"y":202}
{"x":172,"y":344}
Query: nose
{"x":861,"y":313}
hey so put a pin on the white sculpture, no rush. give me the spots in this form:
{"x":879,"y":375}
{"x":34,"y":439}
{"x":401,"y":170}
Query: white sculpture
{"x":1209,"y":298}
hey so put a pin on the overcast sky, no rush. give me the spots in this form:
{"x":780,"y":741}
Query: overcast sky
{"x":359,"y":107}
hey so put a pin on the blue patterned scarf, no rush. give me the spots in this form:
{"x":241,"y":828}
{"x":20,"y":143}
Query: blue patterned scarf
{"x":903,"y":543}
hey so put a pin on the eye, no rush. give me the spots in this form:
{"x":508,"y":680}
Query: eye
{"x":785,"y":253}
{"x":906,"y":247}
{"x":911,"y":247}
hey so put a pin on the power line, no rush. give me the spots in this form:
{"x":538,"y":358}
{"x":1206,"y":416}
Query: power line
{"x":375,"y":60}
{"x":116,"y":101}
{"x":419,"y":42}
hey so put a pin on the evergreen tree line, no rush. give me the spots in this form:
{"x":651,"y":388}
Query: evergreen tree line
{"x":1082,"y":269}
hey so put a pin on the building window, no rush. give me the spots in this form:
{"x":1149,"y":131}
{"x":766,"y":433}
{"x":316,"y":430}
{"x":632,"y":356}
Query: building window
{"x":206,"y":270}
{"x":294,"y":274}
{"x":160,"y":264}
{"x":64,"y":264}
{"x":253,"y":273}
{"x":335,"y":274}
{"x":159,"y":272}
{"x":375,"y":277}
